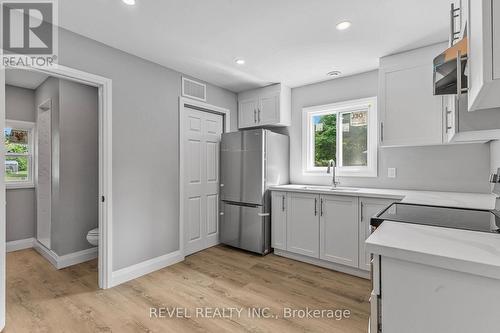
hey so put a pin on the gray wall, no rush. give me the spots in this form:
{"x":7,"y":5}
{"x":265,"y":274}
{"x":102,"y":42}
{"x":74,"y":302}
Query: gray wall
{"x":145,"y":125}
{"x":77,"y":206}
{"x":20,"y":209}
{"x":442,"y":168}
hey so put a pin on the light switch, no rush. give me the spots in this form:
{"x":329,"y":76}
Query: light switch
{"x":391,"y":172}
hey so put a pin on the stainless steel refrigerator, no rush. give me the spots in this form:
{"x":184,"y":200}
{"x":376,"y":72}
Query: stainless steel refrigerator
{"x":251,"y":161}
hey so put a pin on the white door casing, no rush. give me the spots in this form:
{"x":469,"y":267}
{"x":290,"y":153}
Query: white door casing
{"x":44,"y":174}
{"x":202,"y":135}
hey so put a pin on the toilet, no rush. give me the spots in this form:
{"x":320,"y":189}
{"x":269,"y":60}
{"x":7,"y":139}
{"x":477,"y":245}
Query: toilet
{"x":93,"y":237}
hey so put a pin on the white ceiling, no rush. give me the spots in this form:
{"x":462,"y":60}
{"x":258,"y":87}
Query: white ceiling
{"x":24,"y":79}
{"x":290,"y":41}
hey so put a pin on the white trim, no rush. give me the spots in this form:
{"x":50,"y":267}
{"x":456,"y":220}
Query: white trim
{"x":20,"y":244}
{"x":194,"y":97}
{"x":369,"y":104}
{"x":135,"y":271}
{"x":104,"y":86}
{"x":227,"y":121}
{"x":67,"y":259}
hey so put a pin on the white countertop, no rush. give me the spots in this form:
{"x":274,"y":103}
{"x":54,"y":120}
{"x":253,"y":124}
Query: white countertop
{"x":460,"y":250}
{"x":449,"y":199}
{"x":465,"y":251}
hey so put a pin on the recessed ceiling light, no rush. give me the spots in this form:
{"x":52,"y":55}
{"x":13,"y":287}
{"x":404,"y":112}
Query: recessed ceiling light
{"x":343,"y":25}
{"x":129,"y":2}
{"x":240,"y":61}
{"x":334,"y":73}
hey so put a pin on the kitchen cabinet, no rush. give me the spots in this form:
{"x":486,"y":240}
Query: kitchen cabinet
{"x":410,"y":115}
{"x":302,"y":229}
{"x":268,"y":106}
{"x":247,"y":113}
{"x":278,"y":218}
{"x":339,"y":229}
{"x":461,"y":126}
{"x":484,"y":54}
{"x":368,"y":207}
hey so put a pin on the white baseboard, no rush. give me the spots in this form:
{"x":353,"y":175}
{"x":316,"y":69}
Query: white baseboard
{"x":323,"y":263}
{"x":135,"y":271}
{"x":67,"y":259}
{"x":19,"y":244}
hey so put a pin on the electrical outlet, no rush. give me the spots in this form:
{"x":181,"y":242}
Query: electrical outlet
{"x":391,"y":172}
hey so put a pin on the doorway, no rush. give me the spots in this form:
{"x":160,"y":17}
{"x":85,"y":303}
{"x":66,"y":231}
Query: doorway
{"x":104,"y":198}
{"x":201,"y":126}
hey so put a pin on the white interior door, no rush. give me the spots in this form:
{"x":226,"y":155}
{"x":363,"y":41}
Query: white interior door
{"x":202,"y":134}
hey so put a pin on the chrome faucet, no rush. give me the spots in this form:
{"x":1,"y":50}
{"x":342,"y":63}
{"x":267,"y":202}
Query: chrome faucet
{"x":331,"y":169}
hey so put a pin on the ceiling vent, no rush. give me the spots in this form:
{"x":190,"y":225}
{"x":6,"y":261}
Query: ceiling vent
{"x":193,"y":89}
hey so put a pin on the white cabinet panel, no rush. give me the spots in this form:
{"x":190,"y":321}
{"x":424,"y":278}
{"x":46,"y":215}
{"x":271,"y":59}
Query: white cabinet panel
{"x":247,"y":113}
{"x":303,"y":224}
{"x":278,"y":220}
{"x":411,"y":114}
{"x":368,"y":207}
{"x":496,"y":39}
{"x":339,"y":229}
{"x":269,"y":110}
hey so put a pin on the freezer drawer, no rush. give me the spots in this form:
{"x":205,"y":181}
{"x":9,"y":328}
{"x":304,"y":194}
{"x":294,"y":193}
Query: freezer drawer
{"x":245,"y":227}
{"x":242,"y":166}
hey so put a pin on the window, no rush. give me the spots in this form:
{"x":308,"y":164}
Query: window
{"x":345,"y":132}
{"x":18,"y":154}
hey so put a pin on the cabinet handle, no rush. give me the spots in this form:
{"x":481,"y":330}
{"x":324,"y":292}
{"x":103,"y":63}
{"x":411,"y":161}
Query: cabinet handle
{"x":254,"y":115}
{"x":258,"y":112}
{"x":381,"y":132}
{"x":361,"y":208}
{"x":321,"y":207}
{"x":315,"y":207}
{"x":283,"y":203}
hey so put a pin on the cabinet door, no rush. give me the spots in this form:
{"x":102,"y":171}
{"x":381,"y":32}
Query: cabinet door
{"x":247,"y":113}
{"x":339,"y":229}
{"x":278,"y":220}
{"x":303,"y":224}
{"x":496,"y":39}
{"x":269,"y":110}
{"x":368,"y":207}
{"x":411,"y":115}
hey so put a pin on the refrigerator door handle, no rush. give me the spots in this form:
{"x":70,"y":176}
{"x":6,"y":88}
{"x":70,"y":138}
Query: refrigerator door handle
{"x":263,"y":214}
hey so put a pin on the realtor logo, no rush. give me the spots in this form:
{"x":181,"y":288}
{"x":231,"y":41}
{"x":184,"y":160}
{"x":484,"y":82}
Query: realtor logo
{"x":29,"y":33}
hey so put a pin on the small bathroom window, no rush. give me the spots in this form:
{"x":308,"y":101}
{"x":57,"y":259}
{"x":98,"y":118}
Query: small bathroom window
{"x":19,"y":154}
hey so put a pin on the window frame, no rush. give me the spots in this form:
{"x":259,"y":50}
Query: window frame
{"x":364,"y":104}
{"x":30,"y":127}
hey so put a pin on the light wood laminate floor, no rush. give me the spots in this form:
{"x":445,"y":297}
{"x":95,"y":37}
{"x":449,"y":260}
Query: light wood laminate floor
{"x":42,"y":299}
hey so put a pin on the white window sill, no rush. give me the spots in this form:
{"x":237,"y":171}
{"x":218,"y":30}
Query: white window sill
{"x":18,"y":186}
{"x":340,"y":173}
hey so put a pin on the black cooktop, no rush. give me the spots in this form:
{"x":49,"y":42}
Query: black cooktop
{"x":447,"y":217}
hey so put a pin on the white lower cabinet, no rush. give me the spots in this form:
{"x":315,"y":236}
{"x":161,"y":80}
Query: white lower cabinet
{"x":339,"y":229}
{"x":368,"y":207}
{"x":278,"y":218}
{"x":302,"y":227}
{"x":331,"y":229}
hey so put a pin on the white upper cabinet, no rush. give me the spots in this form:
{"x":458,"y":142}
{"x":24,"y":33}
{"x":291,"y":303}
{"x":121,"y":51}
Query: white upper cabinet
{"x":268,"y":106}
{"x":339,"y":229}
{"x":483,"y":30}
{"x":410,"y":115}
{"x":278,"y":220}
